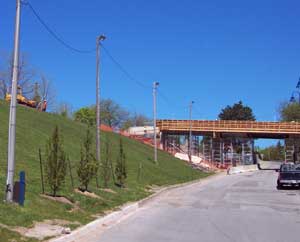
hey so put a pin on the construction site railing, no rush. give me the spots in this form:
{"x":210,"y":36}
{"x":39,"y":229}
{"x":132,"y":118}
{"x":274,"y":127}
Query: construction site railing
{"x":229,"y":126}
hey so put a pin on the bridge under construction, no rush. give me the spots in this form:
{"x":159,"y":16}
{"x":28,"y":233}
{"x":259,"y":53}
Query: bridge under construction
{"x":228,"y":142}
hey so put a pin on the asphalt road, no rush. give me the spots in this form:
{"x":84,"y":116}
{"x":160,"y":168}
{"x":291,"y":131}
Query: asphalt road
{"x":243,"y":207}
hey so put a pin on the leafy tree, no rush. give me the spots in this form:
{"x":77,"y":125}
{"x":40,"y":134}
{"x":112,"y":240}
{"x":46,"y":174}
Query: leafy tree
{"x":88,"y":166}
{"x":237,"y":111}
{"x":273,"y":152}
{"x":86,"y":115}
{"x":112,"y":114}
{"x":106,"y":163}
{"x":290,"y":112}
{"x":56,"y":164}
{"x":121,"y":171}
{"x":135,"y":120}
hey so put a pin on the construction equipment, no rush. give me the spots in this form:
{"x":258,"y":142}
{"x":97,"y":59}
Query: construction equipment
{"x":41,"y":106}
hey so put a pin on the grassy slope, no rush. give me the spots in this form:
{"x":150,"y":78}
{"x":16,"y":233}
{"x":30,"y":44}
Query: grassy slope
{"x":34,"y":128}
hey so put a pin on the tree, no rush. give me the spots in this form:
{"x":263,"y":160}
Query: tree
{"x":86,"y":115}
{"x":64,"y":109}
{"x":140,"y":120}
{"x":112,"y":114}
{"x":273,"y":152}
{"x":56,"y":165}
{"x":33,"y":83}
{"x":106,"y":164}
{"x":36,"y":94}
{"x":88,"y":165}
{"x":47,"y":91}
{"x":237,"y":111}
{"x":289,"y":112}
{"x":26,"y":75}
{"x":121,"y":171}
{"x":135,"y":120}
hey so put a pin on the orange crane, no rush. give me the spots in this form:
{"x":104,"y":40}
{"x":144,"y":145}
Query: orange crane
{"x":41,"y":106}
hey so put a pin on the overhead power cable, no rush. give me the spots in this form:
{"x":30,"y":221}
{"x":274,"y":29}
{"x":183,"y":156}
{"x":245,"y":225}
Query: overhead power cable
{"x":170,"y":103}
{"x":122,"y":69}
{"x":54,"y":34}
{"x":70,"y":47}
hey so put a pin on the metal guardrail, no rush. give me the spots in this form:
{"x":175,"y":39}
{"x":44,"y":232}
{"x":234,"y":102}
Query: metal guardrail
{"x":230,"y":126}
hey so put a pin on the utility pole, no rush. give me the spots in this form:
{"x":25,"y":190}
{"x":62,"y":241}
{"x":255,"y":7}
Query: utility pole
{"x":155,"y":85}
{"x":190,"y":133}
{"x":98,"y":39}
{"x":12,"y":114}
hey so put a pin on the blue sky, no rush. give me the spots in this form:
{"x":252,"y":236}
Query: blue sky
{"x":214,"y":52}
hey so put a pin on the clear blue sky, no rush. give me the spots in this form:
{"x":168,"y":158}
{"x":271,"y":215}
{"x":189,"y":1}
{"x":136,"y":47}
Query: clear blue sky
{"x":214,"y":52}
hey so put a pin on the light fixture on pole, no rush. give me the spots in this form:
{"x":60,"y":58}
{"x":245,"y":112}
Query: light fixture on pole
{"x":155,"y":85}
{"x":190,"y":131}
{"x":98,"y":40}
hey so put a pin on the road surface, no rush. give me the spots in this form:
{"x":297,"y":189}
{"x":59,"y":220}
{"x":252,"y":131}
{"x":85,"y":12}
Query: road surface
{"x":243,"y":207}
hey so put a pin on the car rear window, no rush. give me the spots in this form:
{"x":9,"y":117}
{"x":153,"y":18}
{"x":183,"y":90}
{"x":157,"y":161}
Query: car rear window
{"x":289,"y":167}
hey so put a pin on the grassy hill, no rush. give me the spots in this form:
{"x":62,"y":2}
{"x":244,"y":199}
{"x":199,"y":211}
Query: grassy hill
{"x":33,"y":130}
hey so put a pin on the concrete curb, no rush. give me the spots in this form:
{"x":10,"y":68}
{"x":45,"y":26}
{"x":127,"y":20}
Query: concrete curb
{"x":94,"y":229}
{"x":241,"y":169}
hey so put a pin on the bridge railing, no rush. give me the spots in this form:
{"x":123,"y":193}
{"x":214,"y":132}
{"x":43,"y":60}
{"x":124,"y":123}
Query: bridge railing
{"x":229,"y":126}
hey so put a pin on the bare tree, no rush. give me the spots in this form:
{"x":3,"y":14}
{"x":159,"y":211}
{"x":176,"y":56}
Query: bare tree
{"x":26,"y":75}
{"x":47,"y":91}
{"x":64,"y":109}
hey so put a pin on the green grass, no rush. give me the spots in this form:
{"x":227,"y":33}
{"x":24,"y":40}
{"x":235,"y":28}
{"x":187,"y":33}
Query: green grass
{"x":33,"y":130}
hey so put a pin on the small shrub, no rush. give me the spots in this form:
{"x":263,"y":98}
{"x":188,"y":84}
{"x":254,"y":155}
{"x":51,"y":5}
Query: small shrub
{"x":56,"y":166}
{"x":121,"y":170}
{"x":88,"y":166}
{"x":106,"y":164}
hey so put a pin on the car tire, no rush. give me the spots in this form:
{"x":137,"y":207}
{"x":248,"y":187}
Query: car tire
{"x":279,"y":186}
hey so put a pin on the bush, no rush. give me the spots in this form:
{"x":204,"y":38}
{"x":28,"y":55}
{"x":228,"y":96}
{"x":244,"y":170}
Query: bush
{"x":121,"y":171}
{"x":88,"y":166}
{"x":56,"y":165}
{"x":106,"y":164}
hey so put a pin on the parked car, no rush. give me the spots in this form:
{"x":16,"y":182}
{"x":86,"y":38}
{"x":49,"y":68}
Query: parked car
{"x":289,"y":175}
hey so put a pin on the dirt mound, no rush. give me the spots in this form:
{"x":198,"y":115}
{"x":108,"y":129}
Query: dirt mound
{"x":88,"y":194}
{"x":58,"y":199}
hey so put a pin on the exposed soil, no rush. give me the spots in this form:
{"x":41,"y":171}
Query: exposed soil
{"x":58,"y":199}
{"x":108,"y":190}
{"x":45,"y":229}
{"x":88,"y":194}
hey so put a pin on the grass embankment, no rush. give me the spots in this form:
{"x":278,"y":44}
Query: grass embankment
{"x":33,"y":129}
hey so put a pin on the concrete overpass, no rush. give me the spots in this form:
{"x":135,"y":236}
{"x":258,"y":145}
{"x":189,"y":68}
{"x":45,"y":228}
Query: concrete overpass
{"x":227,"y":135}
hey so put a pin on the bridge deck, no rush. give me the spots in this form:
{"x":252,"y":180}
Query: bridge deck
{"x":227,"y":126}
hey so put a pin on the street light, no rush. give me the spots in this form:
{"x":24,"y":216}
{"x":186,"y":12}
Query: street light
{"x":98,"y":40}
{"x":13,"y":111}
{"x":190,"y":133}
{"x":155,"y":85}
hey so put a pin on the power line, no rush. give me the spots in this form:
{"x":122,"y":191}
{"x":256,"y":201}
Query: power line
{"x":112,"y":58}
{"x":169,"y":102}
{"x":70,"y":47}
{"x":53,"y":34}
{"x":122,"y":69}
